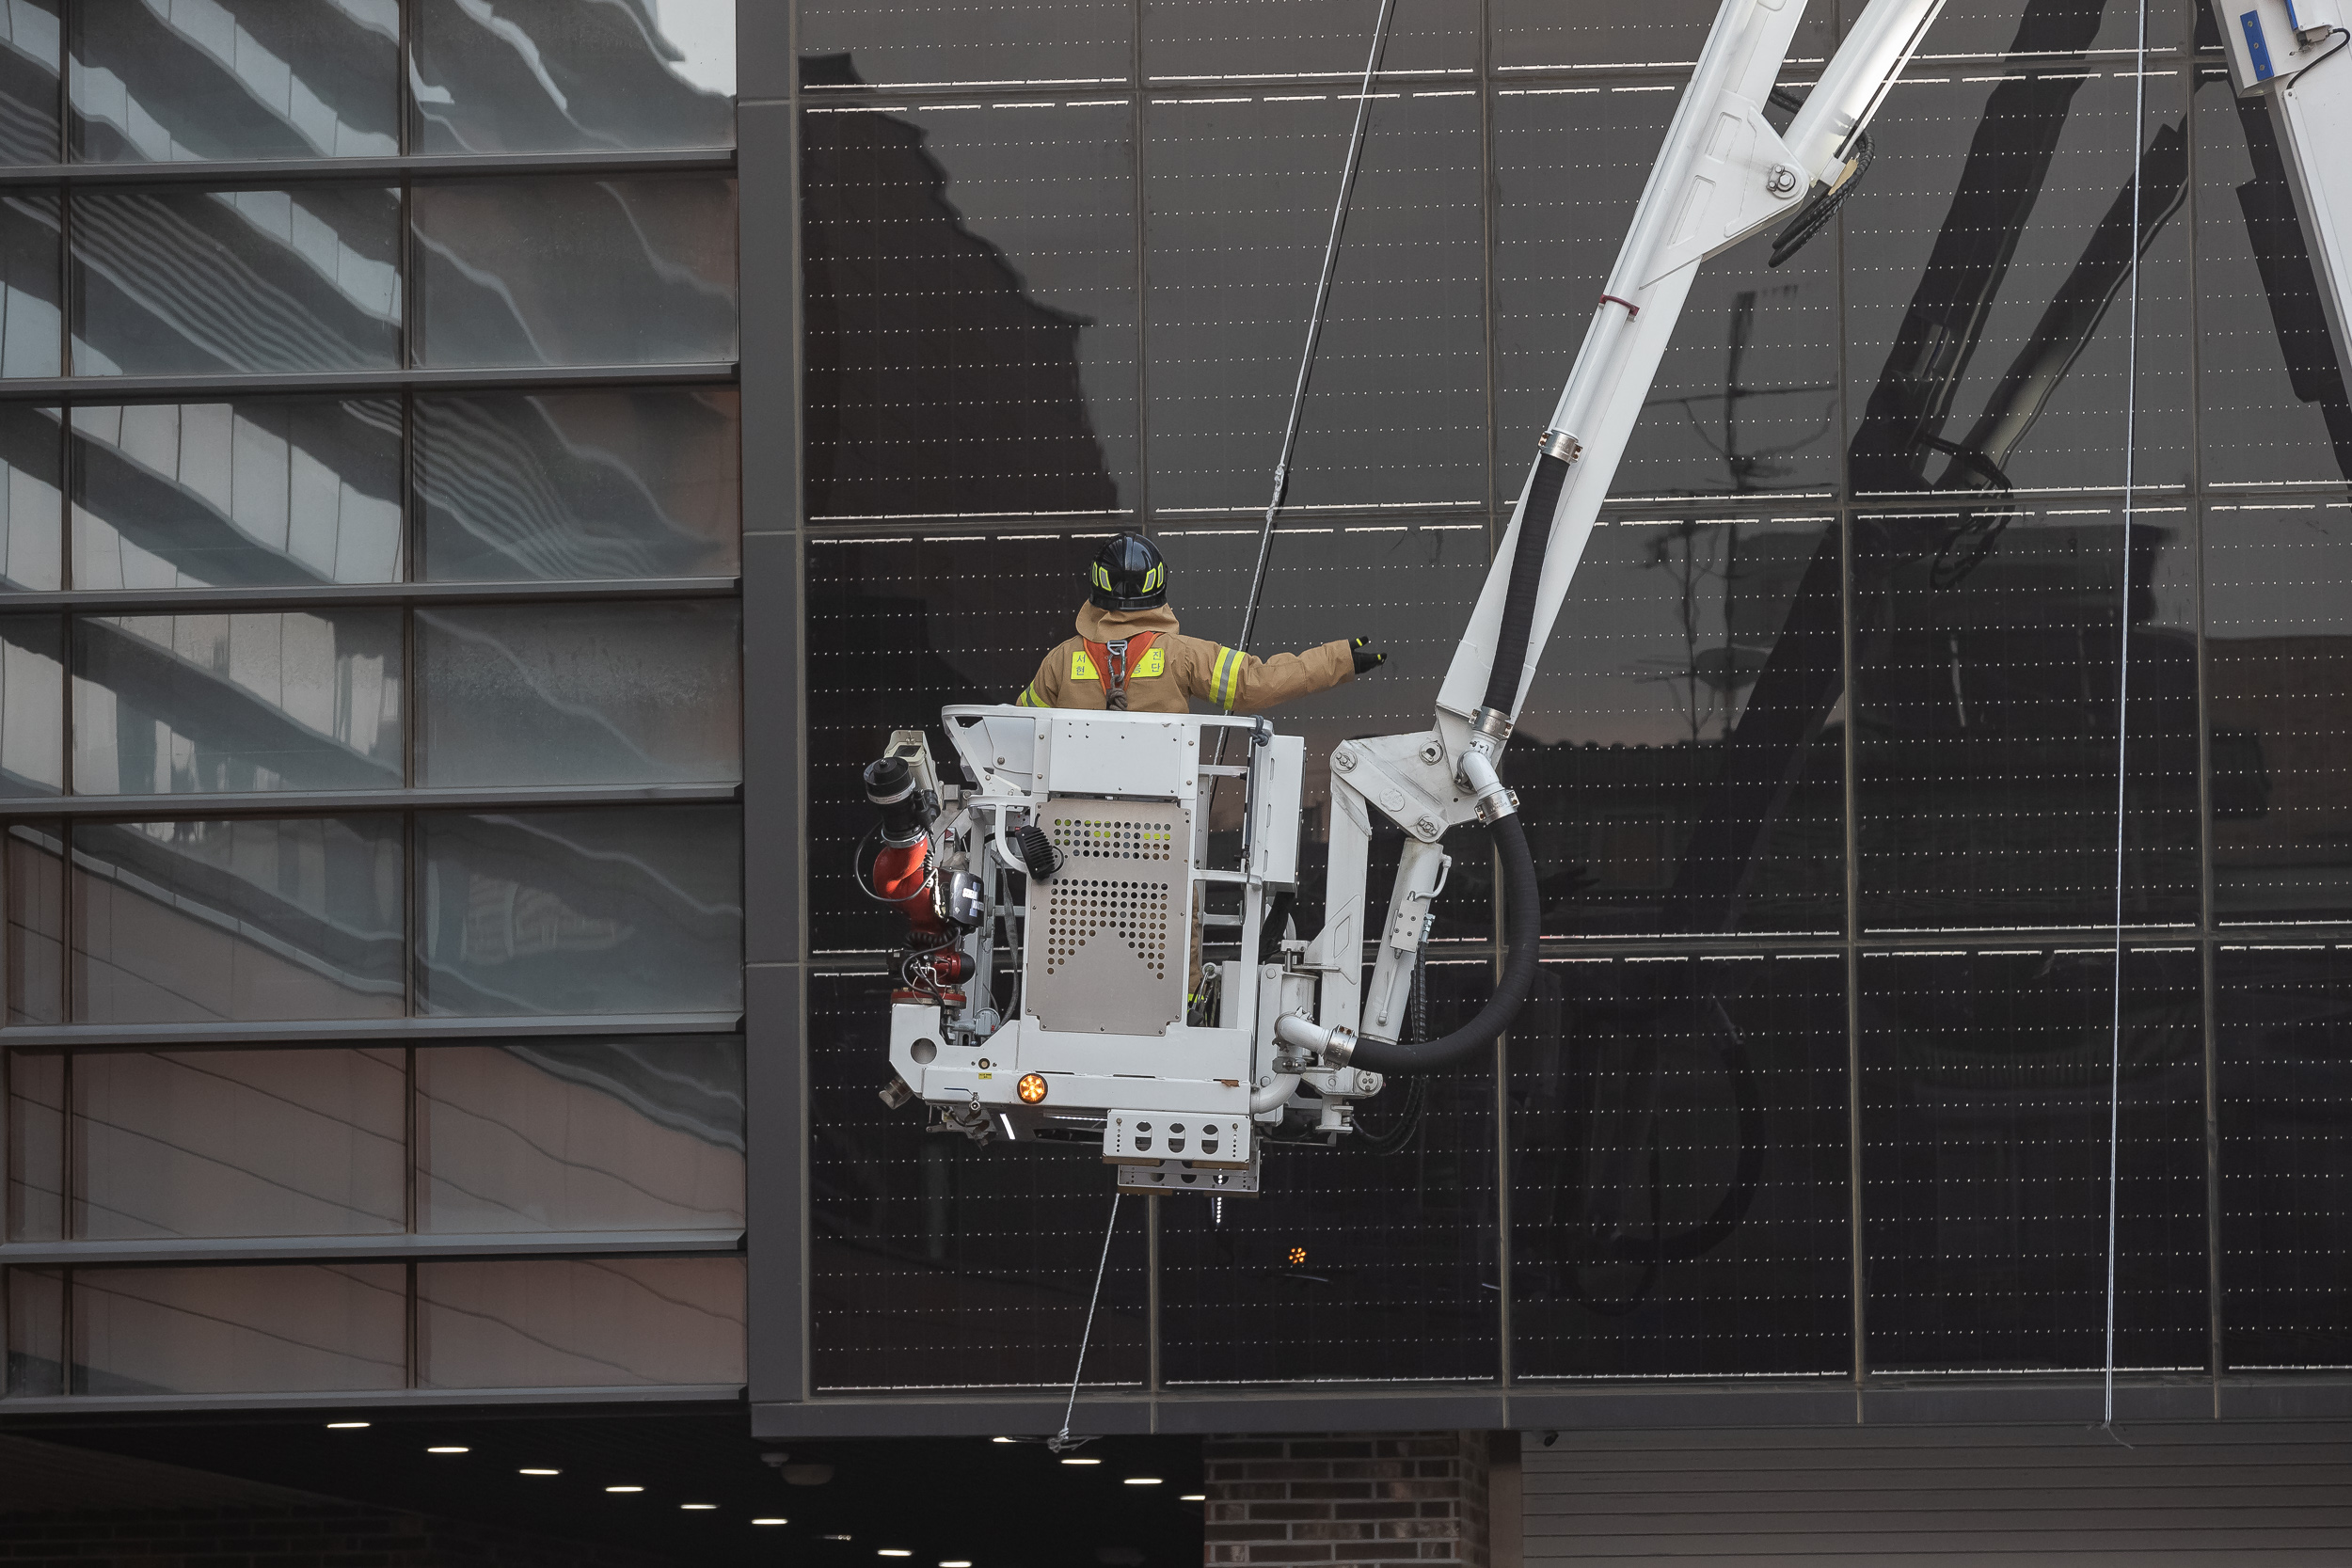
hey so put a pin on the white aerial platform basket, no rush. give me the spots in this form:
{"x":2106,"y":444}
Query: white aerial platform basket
{"x":1098,"y":1046}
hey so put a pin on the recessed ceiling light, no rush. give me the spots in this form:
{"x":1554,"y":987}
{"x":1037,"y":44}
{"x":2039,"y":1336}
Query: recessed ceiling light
{"x":956,"y":1562}
{"x":1000,"y":1439}
{"x":699,"y":1508}
{"x":837,"y":1538}
{"x":624,"y":1489}
{"x":892,"y":1551}
{"x":538,"y":1472}
{"x":345,"y":1426}
{"x":448,"y":1447}
{"x":771,"y":1521}
{"x":1143,"y":1481}
{"x":1082,"y":1462}
{"x":1194,"y":1498}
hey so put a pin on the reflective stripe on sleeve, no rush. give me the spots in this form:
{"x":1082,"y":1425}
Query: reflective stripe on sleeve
{"x":1028,"y":697}
{"x":1225,"y":677}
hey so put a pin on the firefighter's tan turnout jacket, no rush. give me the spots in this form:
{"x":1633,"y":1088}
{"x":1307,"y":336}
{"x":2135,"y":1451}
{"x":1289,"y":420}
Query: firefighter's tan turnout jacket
{"x":1176,"y":669}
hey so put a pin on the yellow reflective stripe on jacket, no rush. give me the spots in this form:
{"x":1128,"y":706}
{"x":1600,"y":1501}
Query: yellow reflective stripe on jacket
{"x":1081,"y":667}
{"x":1028,"y":697}
{"x":1225,"y":679}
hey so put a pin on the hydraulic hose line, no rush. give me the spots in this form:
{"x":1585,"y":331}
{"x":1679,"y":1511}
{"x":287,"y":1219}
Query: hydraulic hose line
{"x":1524,"y":912}
{"x":1527,"y":579}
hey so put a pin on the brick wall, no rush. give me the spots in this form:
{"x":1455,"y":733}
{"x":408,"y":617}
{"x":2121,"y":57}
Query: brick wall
{"x":1383,"y":1499}
{"x":282,"y":1537}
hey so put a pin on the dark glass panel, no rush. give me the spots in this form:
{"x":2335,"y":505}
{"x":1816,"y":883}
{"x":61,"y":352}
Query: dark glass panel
{"x":1532,"y":35}
{"x":260,"y":492}
{"x":1985,"y":681}
{"x":235,"y":79}
{"x":620,"y":270}
{"x":937,"y":1263}
{"x":35,"y":1142}
{"x":586,"y":1323}
{"x":580,"y":694}
{"x":2270,"y":373}
{"x":35,"y":958}
{"x":1746,"y":396}
{"x":32,"y":705}
{"x":1985,"y":1115}
{"x":580,"y":1135}
{"x":582,"y":912}
{"x":1393,"y":1257}
{"x":1319,"y":42}
{"x":32,"y":532}
{"x":237,"y":919}
{"x":2277,"y":662}
{"x":2061,"y":34}
{"x":1680,"y":1196}
{"x":170,"y":705}
{"x":1048,"y":44}
{"x":1680,"y":764}
{"x":642,"y":482}
{"x":286,"y":1329}
{"x":1996,"y":220}
{"x":34,"y":1302}
{"x":29,"y":50}
{"x":30,"y":343}
{"x":2283,"y":1083}
{"x":239,"y":1143}
{"x":1240,"y":191}
{"x":970,"y":307}
{"x":558,"y":76}
{"x":181,"y":282}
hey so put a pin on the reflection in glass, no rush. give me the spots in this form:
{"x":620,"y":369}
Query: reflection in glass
{"x":35,"y":1142}
{"x":1530,"y":35}
{"x":262,"y":491}
{"x":31,"y":513}
{"x":29,"y":39}
{"x":1985,"y":686}
{"x":559,"y":76}
{"x":936,"y":1263}
{"x":29,"y":340}
{"x":2283,"y":1091}
{"x":170,"y":705}
{"x":181,"y":282}
{"x":163,"y":82}
{"x":580,"y":694}
{"x":1240,"y":193}
{"x":1055,"y":44}
{"x":631,"y":482}
{"x":575,"y":272}
{"x":1026,"y":219}
{"x":35,"y":856}
{"x":584,"y":1324}
{"x":1679,"y":1145}
{"x":239,"y":1143}
{"x":237,"y":919}
{"x":32,"y":705}
{"x":582,"y":912}
{"x":273,"y":1329}
{"x":1318,"y":41}
{"x":562,"y":1136}
{"x":1680,"y":764}
{"x":2278,"y":666}
{"x":35,"y":1303}
{"x":1985,"y":1113}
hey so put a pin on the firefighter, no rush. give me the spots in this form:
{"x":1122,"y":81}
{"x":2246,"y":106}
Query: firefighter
{"x":1129,"y":656}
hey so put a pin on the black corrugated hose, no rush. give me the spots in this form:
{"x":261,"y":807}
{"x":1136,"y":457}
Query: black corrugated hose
{"x":1524,"y":907}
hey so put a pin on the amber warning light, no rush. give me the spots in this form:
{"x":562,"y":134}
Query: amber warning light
{"x":1031,"y":1089}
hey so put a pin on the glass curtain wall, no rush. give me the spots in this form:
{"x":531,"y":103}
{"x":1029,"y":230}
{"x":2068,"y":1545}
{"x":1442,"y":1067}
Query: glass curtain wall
{"x":370,"y":697}
{"x":1821,"y":771}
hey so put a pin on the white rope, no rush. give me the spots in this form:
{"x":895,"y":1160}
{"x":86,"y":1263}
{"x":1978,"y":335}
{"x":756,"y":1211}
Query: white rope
{"x":1062,"y":1439}
{"x":2122,"y":709}
{"x":1315,"y":327}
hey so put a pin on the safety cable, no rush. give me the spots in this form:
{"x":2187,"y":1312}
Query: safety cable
{"x":2122,"y":713}
{"x":1063,"y":1441}
{"x":1314,"y":329}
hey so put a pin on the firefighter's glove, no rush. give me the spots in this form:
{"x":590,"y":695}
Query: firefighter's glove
{"x":1366,"y":661}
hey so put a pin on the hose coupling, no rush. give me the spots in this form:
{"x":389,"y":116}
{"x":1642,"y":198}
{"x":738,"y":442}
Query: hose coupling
{"x":1485,"y":786}
{"x":1560,"y":444}
{"x":1493,"y":723}
{"x":1335,"y":1045}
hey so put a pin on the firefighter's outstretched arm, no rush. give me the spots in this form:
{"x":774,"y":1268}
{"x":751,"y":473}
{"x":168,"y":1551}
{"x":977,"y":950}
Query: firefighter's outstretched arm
{"x":1723,"y":174}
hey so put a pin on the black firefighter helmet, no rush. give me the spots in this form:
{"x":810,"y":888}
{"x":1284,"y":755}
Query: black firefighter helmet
{"x":1129,"y":575}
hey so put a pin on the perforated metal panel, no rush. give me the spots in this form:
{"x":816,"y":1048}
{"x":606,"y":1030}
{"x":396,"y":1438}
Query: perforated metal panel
{"x":1108,"y":941}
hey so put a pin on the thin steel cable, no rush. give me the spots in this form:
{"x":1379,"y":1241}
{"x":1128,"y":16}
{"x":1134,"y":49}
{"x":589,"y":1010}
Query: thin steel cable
{"x":1062,"y":1439}
{"x":2123,"y":712}
{"x":1314,"y":328}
